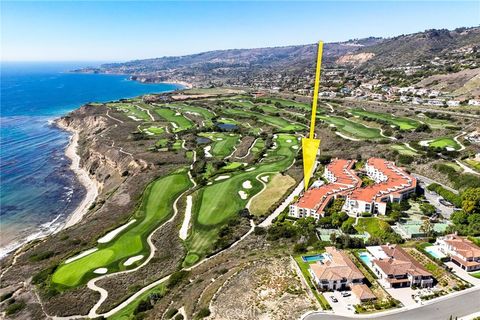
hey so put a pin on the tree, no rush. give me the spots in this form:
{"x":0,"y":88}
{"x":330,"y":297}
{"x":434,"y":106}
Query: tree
{"x":347,"y":226}
{"x":471,"y":200}
{"x":427,"y":228}
{"x":428,"y":209}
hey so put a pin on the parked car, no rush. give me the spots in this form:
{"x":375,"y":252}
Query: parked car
{"x":346,"y":294}
{"x":333,"y":299}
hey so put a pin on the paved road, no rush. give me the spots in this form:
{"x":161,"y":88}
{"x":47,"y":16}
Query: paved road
{"x":461,"y":305}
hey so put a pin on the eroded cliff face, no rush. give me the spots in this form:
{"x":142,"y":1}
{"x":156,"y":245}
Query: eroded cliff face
{"x":122,"y":169}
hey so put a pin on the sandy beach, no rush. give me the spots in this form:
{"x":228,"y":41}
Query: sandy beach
{"x":90,"y":184}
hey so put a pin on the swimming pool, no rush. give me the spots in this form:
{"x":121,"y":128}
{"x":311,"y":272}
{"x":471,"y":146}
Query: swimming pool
{"x":366,"y":258}
{"x":314,"y":258}
{"x":435,"y":252}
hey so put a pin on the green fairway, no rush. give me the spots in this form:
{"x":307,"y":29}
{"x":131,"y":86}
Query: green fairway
{"x":444,"y":143}
{"x":401,"y":122}
{"x":131,"y":110}
{"x":215,"y":204}
{"x":127,"y":313}
{"x":232,"y":166}
{"x":281,"y":123}
{"x":187,"y":108}
{"x":223,"y":144}
{"x":290,"y":103}
{"x":403,"y":149}
{"x":258,"y":146}
{"x":435,"y":123}
{"x":351,"y":128}
{"x":155,"y":209}
{"x":179,"y":122}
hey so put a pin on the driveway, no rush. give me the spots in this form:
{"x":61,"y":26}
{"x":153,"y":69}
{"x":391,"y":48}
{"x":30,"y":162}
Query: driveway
{"x":404,"y":295}
{"x":344,"y":306}
{"x":433,"y":198}
{"x":459,"y":305}
{"x":463,"y":274}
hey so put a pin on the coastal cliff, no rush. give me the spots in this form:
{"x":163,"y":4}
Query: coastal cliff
{"x":118,"y":171}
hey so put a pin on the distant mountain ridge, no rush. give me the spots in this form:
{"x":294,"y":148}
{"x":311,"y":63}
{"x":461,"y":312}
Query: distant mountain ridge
{"x":246,"y":66}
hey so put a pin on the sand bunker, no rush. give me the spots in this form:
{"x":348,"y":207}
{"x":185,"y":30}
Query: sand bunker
{"x":100,"y":271}
{"x":242,"y":194}
{"x":132,"y":260}
{"x":247,"y":184}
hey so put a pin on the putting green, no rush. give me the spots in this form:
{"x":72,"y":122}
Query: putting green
{"x":444,"y":142}
{"x":352,"y":128}
{"x":155,"y":209}
{"x":223,"y":144}
{"x":401,"y":122}
{"x":181,"y":123}
{"x":215,"y":204}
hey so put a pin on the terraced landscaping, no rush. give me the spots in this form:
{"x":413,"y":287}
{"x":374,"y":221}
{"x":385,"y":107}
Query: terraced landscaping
{"x":223,"y":144}
{"x":215,"y":204}
{"x":400,"y":122}
{"x":155,"y":209}
{"x":352,"y":129}
{"x":178,"y":121}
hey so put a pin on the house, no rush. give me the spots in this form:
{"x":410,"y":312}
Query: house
{"x":453,"y":103}
{"x":362,"y":293}
{"x":462,"y":251}
{"x":392,"y":184}
{"x":473,"y":102}
{"x":395,"y":268}
{"x":313,"y":202}
{"x":336,"y":272}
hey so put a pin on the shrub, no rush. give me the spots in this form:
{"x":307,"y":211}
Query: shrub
{"x":14,"y":308}
{"x":204,"y":312}
{"x":170,"y":313}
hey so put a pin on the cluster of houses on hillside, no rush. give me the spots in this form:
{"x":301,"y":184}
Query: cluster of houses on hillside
{"x":392,"y":184}
{"x":393,"y":266}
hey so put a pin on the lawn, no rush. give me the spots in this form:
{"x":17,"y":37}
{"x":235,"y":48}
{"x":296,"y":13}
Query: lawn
{"x":127,"y":312}
{"x":131,"y":110}
{"x":473,"y":163}
{"x":223,"y":144}
{"x":401,"y":122}
{"x":279,"y":122}
{"x":276,"y":188}
{"x":155,"y":209}
{"x":374,"y":226}
{"x":403,"y":149}
{"x":351,"y":128}
{"x":179,"y":121}
{"x":444,"y":142}
{"x":215,"y":204}
{"x":476,"y":274}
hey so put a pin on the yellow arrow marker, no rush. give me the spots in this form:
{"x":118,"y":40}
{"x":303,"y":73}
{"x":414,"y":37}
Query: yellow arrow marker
{"x":310,"y":145}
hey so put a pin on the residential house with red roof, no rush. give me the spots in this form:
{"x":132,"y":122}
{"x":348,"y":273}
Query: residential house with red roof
{"x":395,"y":268}
{"x":336,"y":271}
{"x":462,"y":251}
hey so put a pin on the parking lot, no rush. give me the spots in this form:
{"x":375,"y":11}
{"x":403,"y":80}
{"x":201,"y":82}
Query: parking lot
{"x":344,"y":305}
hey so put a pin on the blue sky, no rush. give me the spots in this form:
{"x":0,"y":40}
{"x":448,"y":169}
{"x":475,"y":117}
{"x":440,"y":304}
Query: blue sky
{"x":118,"y":31}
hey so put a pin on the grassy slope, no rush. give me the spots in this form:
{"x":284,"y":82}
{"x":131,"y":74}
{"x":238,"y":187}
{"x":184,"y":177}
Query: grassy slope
{"x":172,"y":116}
{"x":215,"y":204}
{"x":155,"y":209}
{"x":276,"y":188}
{"x":402,"y":149}
{"x":402,"y":122}
{"x":372,"y":225}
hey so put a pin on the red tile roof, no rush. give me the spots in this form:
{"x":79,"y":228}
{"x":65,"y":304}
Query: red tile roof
{"x":463,"y":246}
{"x":399,"y":263}
{"x":362,"y":292}
{"x":337,"y":268}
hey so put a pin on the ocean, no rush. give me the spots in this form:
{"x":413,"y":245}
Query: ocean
{"x":38,"y":191}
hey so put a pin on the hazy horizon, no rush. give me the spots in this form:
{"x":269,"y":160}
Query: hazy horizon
{"x":116,"y":32}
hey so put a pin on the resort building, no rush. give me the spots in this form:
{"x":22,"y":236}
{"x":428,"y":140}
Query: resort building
{"x":341,"y":179}
{"x":395,"y":268}
{"x":462,"y":251}
{"x":362,"y":293}
{"x":392,"y":184}
{"x":336,"y":271}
